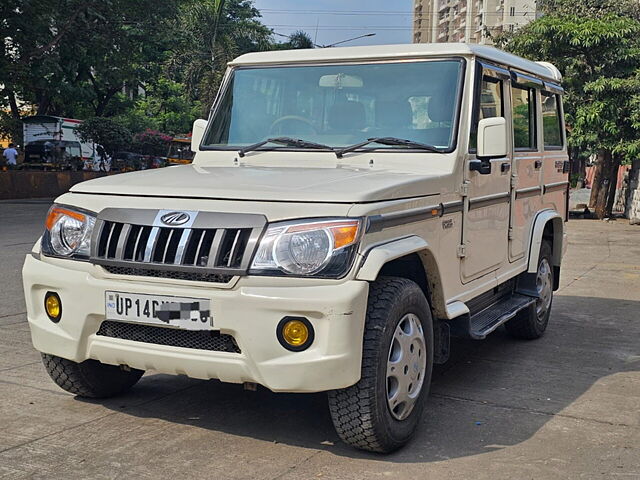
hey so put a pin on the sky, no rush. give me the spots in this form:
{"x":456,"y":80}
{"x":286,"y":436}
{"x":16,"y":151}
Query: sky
{"x":331,"y":21}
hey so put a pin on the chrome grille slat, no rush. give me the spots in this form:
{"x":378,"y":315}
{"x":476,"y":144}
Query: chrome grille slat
{"x":208,"y":247}
{"x":214,"y":251}
{"x":124,"y":235}
{"x":135,"y":245}
{"x":182,"y":244}
{"x":234,"y":245}
{"x":151,"y":244}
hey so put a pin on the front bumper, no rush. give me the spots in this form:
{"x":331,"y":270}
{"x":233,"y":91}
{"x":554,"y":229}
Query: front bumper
{"x":249,"y":311}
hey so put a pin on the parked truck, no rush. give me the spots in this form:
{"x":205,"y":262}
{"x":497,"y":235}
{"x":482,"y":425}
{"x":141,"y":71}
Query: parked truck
{"x":51,"y":143}
{"x":348,"y":210}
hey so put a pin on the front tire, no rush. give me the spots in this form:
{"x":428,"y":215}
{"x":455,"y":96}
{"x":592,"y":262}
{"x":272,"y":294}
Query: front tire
{"x":90,"y":378}
{"x":381,"y":412}
{"x":531,"y":323}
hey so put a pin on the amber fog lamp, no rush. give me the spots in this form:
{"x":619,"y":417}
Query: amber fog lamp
{"x":53,"y":306}
{"x":295,"y":333}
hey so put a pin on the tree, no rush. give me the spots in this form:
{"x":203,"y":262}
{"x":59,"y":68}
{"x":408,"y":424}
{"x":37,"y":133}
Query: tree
{"x":599,"y":57}
{"x":151,"y":142}
{"x":166,"y":106}
{"x":72,"y":57}
{"x":297,"y":40}
{"x":106,"y":132}
{"x":210,"y":33}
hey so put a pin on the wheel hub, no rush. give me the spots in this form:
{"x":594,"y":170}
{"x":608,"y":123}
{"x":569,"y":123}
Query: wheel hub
{"x":544,"y":286}
{"x":406,"y":365}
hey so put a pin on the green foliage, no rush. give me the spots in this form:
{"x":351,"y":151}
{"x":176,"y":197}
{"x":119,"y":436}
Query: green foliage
{"x":210,"y":33}
{"x":112,"y":135}
{"x":297,"y":40}
{"x":599,"y":57}
{"x":151,"y":142}
{"x":10,"y":128}
{"x":166,"y":106}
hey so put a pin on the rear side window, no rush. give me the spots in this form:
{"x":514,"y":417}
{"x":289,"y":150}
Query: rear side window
{"x":551,"y":121}
{"x":524,"y":117}
{"x":490,"y":104}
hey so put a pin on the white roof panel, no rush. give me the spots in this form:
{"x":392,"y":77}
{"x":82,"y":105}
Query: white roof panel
{"x":401,"y":51}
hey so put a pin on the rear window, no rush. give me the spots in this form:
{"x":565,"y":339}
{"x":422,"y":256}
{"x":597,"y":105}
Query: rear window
{"x":551,"y":121}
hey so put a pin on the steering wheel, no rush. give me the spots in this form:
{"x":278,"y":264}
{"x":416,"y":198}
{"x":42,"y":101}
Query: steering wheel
{"x":292,"y":118}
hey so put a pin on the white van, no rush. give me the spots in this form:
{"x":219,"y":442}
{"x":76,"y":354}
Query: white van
{"x":347,"y":210}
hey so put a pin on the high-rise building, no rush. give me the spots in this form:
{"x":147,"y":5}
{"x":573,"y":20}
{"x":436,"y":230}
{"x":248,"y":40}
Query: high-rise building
{"x":471,"y":21}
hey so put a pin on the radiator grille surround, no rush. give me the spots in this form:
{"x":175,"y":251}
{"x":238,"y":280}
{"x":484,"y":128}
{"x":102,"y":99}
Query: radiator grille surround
{"x":216,"y":244}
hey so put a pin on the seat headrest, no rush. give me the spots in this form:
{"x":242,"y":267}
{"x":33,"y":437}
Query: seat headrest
{"x":347,"y":115}
{"x":441,"y":108}
{"x":394,"y":113}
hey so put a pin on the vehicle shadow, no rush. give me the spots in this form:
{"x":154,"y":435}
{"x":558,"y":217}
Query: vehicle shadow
{"x":490,"y":395}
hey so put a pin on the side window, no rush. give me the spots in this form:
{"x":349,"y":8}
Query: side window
{"x":523,"y":106}
{"x":551,"y":121}
{"x":490,"y":104}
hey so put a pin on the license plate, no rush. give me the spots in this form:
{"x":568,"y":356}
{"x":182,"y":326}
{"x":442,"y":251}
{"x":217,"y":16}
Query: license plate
{"x":181,"y":312}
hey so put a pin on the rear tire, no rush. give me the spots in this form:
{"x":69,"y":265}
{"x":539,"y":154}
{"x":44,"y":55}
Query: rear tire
{"x":531,"y":323}
{"x":381,"y":412}
{"x":90,"y":378}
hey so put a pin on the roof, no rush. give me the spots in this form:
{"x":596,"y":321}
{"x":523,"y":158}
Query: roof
{"x":401,"y":51}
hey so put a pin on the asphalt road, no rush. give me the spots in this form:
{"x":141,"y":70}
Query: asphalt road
{"x":565,"y":406}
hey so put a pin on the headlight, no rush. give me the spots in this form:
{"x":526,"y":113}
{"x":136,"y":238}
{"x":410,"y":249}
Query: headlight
{"x":321,"y":248}
{"x":68,"y":232}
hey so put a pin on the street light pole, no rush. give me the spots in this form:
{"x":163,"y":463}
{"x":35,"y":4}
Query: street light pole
{"x":349,"y":40}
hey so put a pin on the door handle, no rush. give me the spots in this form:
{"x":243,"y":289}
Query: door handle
{"x":537,"y":164}
{"x":505,"y":167}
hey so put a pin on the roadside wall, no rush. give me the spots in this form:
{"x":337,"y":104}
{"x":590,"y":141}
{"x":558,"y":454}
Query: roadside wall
{"x":21,"y":184}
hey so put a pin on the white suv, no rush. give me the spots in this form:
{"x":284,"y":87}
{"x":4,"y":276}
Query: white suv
{"x":348,"y":209}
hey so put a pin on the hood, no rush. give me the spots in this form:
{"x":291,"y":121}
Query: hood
{"x":291,"y":184}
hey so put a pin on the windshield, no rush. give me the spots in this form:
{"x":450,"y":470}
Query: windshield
{"x":339,"y":105}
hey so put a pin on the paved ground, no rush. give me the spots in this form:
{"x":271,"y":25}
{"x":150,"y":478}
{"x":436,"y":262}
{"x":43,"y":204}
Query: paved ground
{"x":566,"y":406}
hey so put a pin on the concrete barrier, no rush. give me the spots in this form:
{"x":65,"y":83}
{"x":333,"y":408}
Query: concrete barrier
{"x":26,"y":184}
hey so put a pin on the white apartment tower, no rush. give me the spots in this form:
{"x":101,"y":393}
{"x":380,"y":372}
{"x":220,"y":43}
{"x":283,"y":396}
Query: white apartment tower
{"x":471,"y":21}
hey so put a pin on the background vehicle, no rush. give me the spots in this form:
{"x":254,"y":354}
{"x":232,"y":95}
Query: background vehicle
{"x":347,"y":211}
{"x":180,"y":151}
{"x":51,"y":142}
{"x":53,"y":155}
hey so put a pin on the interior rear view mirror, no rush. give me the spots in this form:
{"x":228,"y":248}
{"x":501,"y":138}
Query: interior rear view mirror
{"x":197,"y":133}
{"x":341,"y":80}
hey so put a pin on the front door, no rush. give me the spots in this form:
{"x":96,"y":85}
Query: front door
{"x":486,"y":221}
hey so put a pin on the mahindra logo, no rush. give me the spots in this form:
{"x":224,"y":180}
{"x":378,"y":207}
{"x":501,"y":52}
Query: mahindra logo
{"x":175,"y":218}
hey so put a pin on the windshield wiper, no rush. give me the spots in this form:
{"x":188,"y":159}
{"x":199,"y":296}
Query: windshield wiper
{"x":388,"y":141}
{"x":289,"y":142}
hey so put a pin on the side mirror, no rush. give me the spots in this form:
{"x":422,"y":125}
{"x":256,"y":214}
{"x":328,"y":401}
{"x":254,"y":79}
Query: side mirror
{"x":492,"y":143}
{"x":197,"y":133}
{"x":492,"y":138}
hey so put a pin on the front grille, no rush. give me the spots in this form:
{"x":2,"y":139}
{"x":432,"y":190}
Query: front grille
{"x":194,"y":339}
{"x":177,"y":275}
{"x":210,"y":247}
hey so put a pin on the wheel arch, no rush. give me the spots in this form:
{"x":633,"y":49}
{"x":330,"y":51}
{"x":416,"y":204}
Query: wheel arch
{"x":411,"y":258}
{"x":549,"y":226}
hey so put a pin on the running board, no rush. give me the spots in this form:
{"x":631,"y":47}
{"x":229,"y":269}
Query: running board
{"x":481,"y":324}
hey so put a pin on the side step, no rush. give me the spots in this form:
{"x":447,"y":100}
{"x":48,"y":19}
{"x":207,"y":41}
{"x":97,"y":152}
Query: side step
{"x":482,"y":323}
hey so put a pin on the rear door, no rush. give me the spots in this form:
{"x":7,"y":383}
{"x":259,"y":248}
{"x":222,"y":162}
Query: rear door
{"x":526,"y":198}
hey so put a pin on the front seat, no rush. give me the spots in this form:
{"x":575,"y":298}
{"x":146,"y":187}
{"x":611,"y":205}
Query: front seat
{"x":441,"y":109}
{"x":346,"y":116}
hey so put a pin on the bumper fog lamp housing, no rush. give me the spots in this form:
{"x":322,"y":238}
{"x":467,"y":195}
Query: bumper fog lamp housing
{"x":295,"y":333}
{"x":53,"y":306}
